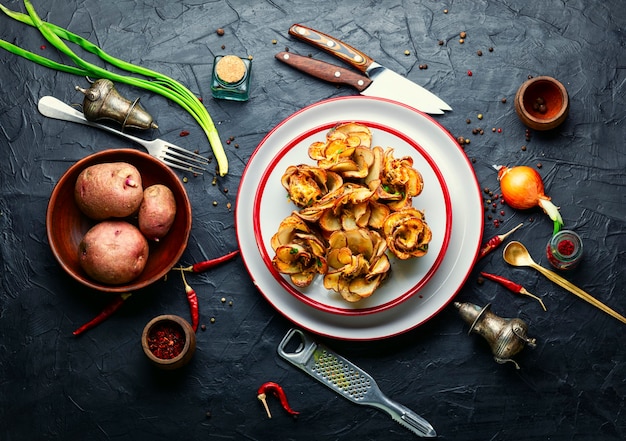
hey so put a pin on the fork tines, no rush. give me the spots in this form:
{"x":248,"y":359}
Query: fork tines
{"x":183,"y":159}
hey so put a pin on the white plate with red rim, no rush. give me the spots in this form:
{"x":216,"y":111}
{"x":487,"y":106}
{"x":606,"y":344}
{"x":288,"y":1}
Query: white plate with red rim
{"x":457,"y":219}
{"x":271,"y":206}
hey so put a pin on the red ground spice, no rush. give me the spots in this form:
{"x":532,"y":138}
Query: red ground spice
{"x":565,"y":247}
{"x":166,"y":340}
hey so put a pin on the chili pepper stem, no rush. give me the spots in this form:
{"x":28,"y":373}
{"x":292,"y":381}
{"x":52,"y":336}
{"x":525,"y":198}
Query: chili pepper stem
{"x":523,"y":291}
{"x":262,"y":399}
{"x":507,"y":234}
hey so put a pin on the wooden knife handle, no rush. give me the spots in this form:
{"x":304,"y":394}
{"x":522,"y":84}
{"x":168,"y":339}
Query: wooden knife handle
{"x":325,"y":71}
{"x":341,"y":50}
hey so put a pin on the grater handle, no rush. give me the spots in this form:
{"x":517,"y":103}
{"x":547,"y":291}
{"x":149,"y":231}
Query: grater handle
{"x":404,"y":416}
{"x":302,"y":353}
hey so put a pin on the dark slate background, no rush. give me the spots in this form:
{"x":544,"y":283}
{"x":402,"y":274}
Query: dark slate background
{"x":101,"y":387}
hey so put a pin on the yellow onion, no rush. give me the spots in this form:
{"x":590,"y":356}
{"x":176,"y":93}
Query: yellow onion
{"x":522,"y":188}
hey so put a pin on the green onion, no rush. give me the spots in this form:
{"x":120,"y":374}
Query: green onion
{"x":160,"y":84}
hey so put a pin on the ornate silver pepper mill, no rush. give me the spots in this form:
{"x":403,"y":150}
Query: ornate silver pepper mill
{"x":506,"y":336}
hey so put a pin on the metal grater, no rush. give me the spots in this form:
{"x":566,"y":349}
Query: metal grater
{"x":347,"y":379}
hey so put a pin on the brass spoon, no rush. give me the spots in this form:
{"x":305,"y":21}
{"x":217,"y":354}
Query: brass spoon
{"x":516,"y":254}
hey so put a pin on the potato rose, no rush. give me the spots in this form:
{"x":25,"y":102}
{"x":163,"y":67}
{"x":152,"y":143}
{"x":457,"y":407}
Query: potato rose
{"x":300,"y":253}
{"x":357,"y":263}
{"x":406,"y":233}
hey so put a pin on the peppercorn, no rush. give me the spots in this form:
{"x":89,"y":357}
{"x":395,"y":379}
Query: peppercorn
{"x":503,"y":100}
{"x":468,"y":120}
{"x":490,"y":49}
{"x":220,"y":32}
{"x":463,"y":34}
{"x":479,"y":53}
{"x":539,"y":165}
{"x":440,"y":42}
{"x":461,"y":40}
{"x":523,"y":148}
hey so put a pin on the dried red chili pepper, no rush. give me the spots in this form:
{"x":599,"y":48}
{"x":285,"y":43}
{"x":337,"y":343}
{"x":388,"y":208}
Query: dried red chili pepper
{"x":107,"y":312}
{"x":495,"y":242}
{"x":276,"y":390}
{"x":192,"y":298}
{"x":512,"y":286}
{"x":207,"y":264}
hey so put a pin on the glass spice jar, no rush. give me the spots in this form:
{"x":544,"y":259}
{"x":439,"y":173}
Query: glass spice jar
{"x":565,"y":250}
{"x":231,"y":78}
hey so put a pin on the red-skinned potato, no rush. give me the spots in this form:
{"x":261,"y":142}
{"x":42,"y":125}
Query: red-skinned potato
{"x":113,"y":252}
{"x":109,"y":190}
{"x":157,"y":211}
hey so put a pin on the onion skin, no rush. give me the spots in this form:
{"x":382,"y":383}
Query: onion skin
{"x":522,"y":188}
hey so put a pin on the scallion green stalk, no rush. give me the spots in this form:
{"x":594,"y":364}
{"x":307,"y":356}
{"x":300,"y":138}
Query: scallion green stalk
{"x":161,"y":84}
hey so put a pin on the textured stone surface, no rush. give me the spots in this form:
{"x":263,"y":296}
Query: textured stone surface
{"x":101,"y":387}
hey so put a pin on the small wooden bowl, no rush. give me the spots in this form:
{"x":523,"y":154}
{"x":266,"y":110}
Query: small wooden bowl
{"x":182,"y":329}
{"x":542,"y":103}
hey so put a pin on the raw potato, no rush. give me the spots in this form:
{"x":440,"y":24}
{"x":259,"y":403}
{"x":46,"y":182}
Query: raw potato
{"x":113,"y":252}
{"x":157,"y":211}
{"x":109,"y":190}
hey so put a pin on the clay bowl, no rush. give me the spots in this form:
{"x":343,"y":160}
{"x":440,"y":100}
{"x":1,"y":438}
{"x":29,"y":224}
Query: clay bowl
{"x":542,"y":103}
{"x":164,"y":327}
{"x":66,"y":224}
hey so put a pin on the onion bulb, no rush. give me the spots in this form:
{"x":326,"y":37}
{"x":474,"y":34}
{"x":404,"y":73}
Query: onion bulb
{"x":522,"y":188}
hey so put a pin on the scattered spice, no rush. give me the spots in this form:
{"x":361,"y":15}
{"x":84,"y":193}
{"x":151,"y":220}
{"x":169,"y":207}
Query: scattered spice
{"x":445,"y":11}
{"x":166,"y":340}
{"x":463,"y":34}
{"x":440,"y":42}
{"x":276,"y":390}
{"x":407,"y":53}
{"x":495,"y":242}
{"x":461,"y":40}
{"x":42,"y":47}
{"x":183,"y":133}
{"x":512,"y":286}
{"x":479,"y":53}
{"x":220,"y":32}
{"x":469,"y":73}
{"x":107,"y":312}
{"x":503,"y":100}
{"x":274,"y":41}
{"x":490,"y":49}
{"x":479,"y":116}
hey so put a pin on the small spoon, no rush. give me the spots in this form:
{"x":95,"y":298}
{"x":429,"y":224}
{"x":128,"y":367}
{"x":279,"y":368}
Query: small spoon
{"x":516,"y":254}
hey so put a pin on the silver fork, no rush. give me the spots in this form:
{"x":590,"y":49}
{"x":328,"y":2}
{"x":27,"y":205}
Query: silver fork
{"x":170,"y":154}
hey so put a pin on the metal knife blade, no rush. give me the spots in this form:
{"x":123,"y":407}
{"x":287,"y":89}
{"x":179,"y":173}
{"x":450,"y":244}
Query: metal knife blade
{"x":385,"y":82}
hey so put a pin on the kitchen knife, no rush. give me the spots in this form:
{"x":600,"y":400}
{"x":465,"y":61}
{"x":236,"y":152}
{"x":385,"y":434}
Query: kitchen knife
{"x":385,"y":82}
